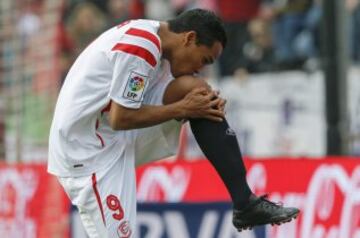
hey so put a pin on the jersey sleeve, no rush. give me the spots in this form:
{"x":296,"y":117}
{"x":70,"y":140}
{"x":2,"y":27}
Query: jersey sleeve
{"x":134,"y":59}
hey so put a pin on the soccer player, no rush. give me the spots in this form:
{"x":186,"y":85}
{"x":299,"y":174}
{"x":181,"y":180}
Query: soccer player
{"x":117,"y":108}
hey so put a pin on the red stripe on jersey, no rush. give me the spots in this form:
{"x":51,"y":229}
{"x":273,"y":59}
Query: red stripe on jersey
{"x":144,"y":34}
{"x":97,"y":134}
{"x":101,"y":139}
{"x":137,"y":51}
{"x":98,"y":199}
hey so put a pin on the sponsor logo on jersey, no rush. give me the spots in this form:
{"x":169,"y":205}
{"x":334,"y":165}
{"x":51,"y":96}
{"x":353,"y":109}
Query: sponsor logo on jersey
{"x":135,"y":87}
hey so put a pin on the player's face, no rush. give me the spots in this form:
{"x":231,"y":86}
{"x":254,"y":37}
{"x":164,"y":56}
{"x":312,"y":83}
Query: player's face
{"x":190,"y":58}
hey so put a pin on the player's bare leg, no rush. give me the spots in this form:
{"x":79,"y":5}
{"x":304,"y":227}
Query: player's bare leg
{"x":219,"y":144}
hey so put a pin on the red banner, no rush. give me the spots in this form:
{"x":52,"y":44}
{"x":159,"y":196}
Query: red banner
{"x":327,"y":191}
{"x":32,"y":203}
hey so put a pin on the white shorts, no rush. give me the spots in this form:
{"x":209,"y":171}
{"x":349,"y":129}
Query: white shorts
{"x":106,"y":200}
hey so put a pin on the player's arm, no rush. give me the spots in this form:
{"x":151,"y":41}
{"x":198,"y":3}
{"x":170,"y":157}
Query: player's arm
{"x":197,"y":103}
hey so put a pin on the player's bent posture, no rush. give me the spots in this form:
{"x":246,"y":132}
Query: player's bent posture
{"x":117,"y":108}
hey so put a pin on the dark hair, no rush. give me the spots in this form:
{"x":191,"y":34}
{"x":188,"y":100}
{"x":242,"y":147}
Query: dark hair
{"x":208,"y":27}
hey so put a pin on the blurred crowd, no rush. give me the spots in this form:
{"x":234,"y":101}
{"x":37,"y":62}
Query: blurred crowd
{"x":264,"y":35}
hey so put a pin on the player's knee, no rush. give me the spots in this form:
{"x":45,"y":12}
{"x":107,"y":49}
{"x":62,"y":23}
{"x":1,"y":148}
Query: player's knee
{"x":179,"y":87}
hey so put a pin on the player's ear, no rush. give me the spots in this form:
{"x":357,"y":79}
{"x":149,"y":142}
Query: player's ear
{"x":189,"y":38}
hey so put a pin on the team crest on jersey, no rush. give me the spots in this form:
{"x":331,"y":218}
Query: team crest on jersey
{"x":124,"y":230}
{"x":135,"y":87}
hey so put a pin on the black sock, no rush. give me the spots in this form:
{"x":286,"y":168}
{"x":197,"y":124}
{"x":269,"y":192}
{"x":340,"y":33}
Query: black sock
{"x":219,"y":144}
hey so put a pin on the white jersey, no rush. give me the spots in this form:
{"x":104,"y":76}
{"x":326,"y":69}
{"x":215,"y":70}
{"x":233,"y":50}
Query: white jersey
{"x":122,"y":65}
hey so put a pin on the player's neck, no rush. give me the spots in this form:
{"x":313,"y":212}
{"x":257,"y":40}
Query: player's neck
{"x":169,"y":39}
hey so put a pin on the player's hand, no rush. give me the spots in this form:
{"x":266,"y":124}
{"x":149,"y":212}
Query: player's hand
{"x":202,"y":103}
{"x":221,"y":103}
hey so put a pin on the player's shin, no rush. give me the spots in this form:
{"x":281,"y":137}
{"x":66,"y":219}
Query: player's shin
{"x":219,"y":144}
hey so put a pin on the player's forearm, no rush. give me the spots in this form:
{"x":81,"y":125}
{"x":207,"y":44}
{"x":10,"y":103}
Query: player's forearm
{"x":146,"y":116}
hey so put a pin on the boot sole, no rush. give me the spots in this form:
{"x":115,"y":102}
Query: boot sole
{"x":276,"y":221}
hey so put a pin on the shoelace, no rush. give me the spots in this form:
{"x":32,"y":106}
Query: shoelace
{"x":269,"y":203}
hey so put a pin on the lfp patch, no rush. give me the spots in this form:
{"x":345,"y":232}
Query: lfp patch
{"x":135,"y":86}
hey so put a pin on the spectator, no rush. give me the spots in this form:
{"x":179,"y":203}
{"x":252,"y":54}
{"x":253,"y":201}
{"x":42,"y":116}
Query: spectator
{"x":85,"y":23}
{"x":118,"y":12}
{"x":295,"y":22}
{"x":258,"y":51}
{"x":66,"y":51}
{"x":65,"y":47}
{"x":236,"y":15}
{"x":307,"y":41}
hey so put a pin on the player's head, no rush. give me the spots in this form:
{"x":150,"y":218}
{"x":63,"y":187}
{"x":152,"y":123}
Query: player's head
{"x":202,"y":40}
